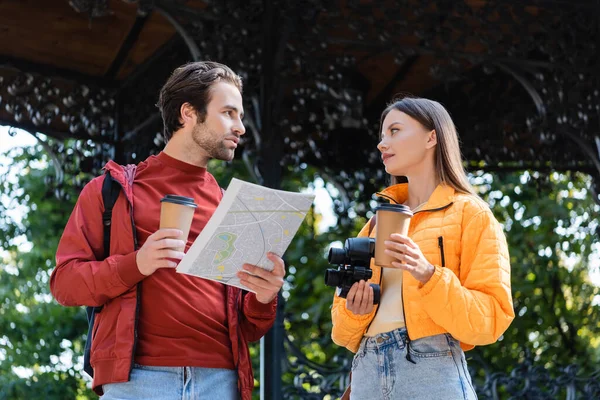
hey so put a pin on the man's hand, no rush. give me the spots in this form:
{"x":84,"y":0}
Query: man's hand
{"x":359,"y":300}
{"x":158,"y":251}
{"x":265,"y":283}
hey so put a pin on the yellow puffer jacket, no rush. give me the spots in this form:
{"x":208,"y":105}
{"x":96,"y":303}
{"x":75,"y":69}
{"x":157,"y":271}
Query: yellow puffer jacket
{"x":469,"y":294}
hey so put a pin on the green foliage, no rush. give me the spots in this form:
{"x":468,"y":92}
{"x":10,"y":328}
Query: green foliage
{"x":40,"y":341}
{"x":551,"y":227}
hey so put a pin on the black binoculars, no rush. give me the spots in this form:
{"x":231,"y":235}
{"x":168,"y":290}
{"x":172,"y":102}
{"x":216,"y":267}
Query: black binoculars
{"x":354,"y":265}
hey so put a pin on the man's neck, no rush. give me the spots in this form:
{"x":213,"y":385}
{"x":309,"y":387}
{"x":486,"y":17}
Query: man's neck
{"x":178,"y":148}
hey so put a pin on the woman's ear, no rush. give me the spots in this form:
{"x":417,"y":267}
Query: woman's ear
{"x":431,"y":139}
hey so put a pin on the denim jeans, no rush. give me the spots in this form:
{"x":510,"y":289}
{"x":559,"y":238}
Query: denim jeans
{"x":389,"y":366}
{"x":175,"y":383}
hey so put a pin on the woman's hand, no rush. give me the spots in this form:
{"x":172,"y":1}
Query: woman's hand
{"x":409,"y":257}
{"x":359,"y":299}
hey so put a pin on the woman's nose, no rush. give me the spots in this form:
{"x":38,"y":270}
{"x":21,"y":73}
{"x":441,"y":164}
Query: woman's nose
{"x":382,"y":146}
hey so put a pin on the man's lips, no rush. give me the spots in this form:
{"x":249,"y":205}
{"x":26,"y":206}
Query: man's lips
{"x":386,"y":157}
{"x":234,"y":140}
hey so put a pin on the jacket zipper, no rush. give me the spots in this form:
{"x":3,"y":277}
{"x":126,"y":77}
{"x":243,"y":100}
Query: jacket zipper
{"x":441,"y":246}
{"x":138,"y":296}
{"x":434,"y":209}
{"x":440,"y":241}
{"x":139,"y":285}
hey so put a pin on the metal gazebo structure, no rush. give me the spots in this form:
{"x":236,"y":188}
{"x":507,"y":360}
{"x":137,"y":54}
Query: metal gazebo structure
{"x":520,"y":78}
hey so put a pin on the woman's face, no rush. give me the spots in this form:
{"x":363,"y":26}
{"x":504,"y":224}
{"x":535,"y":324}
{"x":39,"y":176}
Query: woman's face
{"x":405,"y":144}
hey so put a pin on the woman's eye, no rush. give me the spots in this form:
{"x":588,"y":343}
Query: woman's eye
{"x":393,"y":130}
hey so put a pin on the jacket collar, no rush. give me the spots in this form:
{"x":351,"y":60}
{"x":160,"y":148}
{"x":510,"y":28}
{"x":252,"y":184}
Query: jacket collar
{"x":442,"y":196}
{"x":124,"y":174}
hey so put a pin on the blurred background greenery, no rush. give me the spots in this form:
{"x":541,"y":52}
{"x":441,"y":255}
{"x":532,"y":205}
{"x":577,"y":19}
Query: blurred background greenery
{"x":550,"y":220}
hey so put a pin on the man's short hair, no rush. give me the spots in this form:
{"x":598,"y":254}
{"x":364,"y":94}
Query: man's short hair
{"x":191,"y":83}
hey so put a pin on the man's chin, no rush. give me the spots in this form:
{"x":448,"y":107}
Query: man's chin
{"x":225,"y":156}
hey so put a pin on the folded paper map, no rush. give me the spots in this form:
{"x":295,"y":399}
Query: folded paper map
{"x":250,"y":221}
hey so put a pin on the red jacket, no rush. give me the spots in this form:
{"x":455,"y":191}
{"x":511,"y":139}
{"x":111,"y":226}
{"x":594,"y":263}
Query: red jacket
{"x":80,"y":279}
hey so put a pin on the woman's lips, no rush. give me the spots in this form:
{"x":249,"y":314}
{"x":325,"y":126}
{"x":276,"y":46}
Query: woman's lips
{"x":386,"y":157}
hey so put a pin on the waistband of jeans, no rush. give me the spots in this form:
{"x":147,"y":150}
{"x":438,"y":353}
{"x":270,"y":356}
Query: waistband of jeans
{"x":399,"y":335}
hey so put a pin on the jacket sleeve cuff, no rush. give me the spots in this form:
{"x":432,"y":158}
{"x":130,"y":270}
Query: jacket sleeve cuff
{"x":256,"y":308}
{"x":432,"y":282}
{"x":128,"y":270}
{"x":359,"y":318}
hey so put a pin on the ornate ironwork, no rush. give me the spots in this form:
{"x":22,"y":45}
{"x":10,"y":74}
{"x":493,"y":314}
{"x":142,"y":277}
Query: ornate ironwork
{"x":522,"y":97}
{"x":94,"y":8}
{"x":59,"y":107}
{"x":312,"y":379}
{"x":75,"y":160}
{"x":531,"y":381}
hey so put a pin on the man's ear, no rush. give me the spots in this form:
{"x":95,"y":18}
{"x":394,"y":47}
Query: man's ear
{"x":187,"y":115}
{"x":431,"y":139}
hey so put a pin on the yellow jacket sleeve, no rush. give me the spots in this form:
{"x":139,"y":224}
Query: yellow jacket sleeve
{"x":476,"y":307}
{"x":349,"y":328}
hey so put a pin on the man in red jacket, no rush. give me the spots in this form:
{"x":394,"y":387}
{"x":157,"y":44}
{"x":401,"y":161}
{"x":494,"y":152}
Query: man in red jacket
{"x":160,"y":334}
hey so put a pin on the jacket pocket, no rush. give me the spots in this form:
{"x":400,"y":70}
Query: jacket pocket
{"x":96,"y":326}
{"x":359,"y":355}
{"x":430,"y":347}
{"x":441,"y":246}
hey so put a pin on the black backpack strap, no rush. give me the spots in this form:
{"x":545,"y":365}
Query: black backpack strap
{"x":110,"y":193}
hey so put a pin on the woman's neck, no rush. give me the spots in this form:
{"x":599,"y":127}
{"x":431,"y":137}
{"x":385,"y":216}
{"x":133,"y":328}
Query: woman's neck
{"x":420,"y":188}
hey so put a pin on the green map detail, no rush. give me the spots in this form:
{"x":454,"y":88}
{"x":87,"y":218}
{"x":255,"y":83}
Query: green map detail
{"x":229,"y":239}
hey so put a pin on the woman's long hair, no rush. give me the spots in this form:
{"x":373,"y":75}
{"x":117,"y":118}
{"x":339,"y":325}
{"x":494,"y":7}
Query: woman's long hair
{"x":433,"y":116}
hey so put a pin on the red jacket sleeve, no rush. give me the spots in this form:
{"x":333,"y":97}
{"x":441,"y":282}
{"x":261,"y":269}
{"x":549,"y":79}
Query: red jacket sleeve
{"x":79,"y":278}
{"x":257,"y":317}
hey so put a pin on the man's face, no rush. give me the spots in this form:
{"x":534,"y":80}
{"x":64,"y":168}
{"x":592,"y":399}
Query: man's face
{"x":220,"y":132}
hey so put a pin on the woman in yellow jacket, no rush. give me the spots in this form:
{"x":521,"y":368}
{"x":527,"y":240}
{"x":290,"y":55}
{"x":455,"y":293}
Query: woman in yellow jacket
{"x":449,"y":288}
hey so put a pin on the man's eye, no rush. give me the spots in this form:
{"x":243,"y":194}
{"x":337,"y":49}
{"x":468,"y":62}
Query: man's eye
{"x":228,"y":112}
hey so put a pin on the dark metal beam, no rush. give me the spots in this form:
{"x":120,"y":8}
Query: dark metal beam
{"x":529,"y":88}
{"x":482,"y":57}
{"x":155,"y":57}
{"x":127,"y":45}
{"x":131,"y":135}
{"x":189,"y":41}
{"x":56,"y":134}
{"x":192,"y":14}
{"x":49,"y":71}
{"x":378,"y":103}
{"x":533,"y":167}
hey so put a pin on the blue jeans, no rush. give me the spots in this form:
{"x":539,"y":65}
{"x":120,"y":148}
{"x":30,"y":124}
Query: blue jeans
{"x":434,"y":369}
{"x":175,"y":383}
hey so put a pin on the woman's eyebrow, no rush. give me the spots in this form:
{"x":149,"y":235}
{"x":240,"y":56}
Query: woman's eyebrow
{"x":389,"y":126}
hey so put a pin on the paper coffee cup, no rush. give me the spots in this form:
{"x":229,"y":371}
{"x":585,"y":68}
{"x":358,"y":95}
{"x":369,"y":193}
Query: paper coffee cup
{"x":177,"y":212}
{"x":391,"y":218}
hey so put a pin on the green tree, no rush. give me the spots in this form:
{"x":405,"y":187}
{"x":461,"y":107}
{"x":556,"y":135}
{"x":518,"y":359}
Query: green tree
{"x":40,"y":341}
{"x":552,"y":229}
{"x":549,"y":220}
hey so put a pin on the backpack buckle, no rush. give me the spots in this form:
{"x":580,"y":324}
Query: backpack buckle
{"x":107,"y":217}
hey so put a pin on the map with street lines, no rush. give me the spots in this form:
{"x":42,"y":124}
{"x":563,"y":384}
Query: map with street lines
{"x":250,"y":221}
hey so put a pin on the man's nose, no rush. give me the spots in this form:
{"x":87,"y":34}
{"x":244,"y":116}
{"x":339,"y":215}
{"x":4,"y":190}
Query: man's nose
{"x":239,"y":128}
